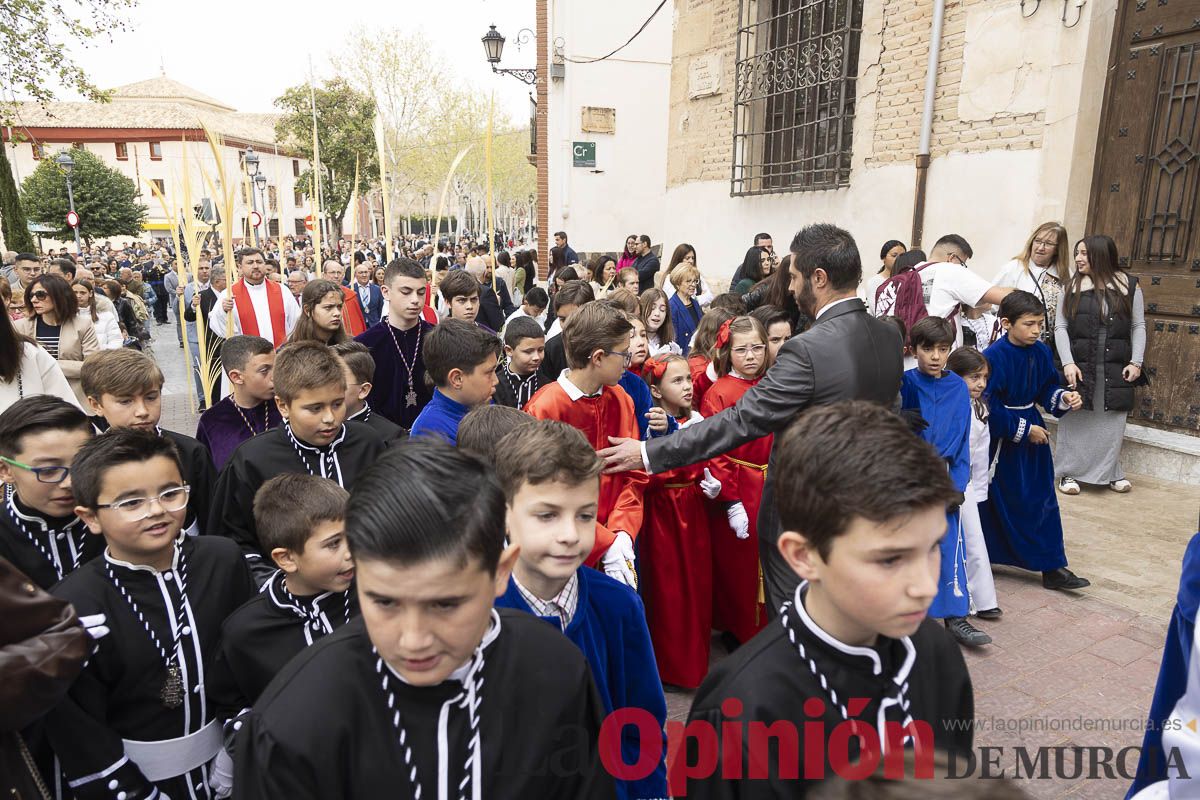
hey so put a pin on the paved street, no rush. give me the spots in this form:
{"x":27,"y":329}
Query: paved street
{"x":1058,"y":659}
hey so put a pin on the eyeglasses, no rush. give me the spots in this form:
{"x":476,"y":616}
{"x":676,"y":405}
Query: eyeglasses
{"x":43,"y":474}
{"x":756,"y":349}
{"x":135,"y":509}
{"x":954,"y":258}
{"x":628,"y":357}
{"x":39,"y":295}
{"x":1051,"y":245}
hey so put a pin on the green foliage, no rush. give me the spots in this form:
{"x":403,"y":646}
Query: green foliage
{"x":39,"y":36}
{"x":12,"y":217}
{"x":106,"y":200}
{"x":345,"y":125}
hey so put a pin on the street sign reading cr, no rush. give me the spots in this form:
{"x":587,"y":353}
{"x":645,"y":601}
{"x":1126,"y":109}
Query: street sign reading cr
{"x":308,"y":223}
{"x":73,"y":219}
{"x":583,"y":154}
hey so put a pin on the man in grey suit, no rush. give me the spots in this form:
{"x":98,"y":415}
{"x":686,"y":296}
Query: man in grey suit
{"x":846,"y":355}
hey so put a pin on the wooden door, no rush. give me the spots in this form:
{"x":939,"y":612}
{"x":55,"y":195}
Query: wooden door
{"x":1144,"y":193}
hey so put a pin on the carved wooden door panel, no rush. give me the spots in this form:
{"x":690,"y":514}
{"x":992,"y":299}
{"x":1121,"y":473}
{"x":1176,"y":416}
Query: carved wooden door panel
{"x":1145,"y":193}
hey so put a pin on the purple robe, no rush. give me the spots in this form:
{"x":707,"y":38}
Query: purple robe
{"x":225,"y":426}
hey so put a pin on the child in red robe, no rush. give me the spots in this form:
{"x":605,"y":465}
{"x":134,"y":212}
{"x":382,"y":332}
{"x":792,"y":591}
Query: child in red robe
{"x":700,"y":355}
{"x":739,"y":358}
{"x":587,"y":397}
{"x":675,"y":547}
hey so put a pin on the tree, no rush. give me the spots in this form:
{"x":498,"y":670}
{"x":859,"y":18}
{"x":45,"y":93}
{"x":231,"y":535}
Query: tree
{"x":345,"y":125}
{"x":106,"y":200}
{"x":38,"y":38}
{"x":12,"y":217}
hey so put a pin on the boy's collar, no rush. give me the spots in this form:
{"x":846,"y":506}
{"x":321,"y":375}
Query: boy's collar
{"x":489,"y":636}
{"x":177,"y":544}
{"x":574,"y":393}
{"x":450,"y":401}
{"x":28,"y":514}
{"x":337,"y":440}
{"x":828,"y":639}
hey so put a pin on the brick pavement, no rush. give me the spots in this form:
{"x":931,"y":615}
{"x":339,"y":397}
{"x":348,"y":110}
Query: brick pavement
{"x":1057,"y":658}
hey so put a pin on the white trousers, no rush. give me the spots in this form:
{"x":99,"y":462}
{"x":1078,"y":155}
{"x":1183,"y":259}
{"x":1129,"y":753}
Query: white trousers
{"x":980,"y":584}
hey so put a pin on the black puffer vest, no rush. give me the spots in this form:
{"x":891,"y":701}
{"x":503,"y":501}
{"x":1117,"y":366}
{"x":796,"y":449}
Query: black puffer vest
{"x":1083,"y":330}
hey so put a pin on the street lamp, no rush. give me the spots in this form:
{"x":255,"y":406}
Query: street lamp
{"x":493,"y":47}
{"x":67,"y":165}
{"x":260,"y":181}
{"x":250,"y":159}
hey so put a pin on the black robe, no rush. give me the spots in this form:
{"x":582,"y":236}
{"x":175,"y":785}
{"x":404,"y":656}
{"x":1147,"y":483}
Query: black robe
{"x":272,"y":453}
{"x":553,"y":362}
{"x":223,"y":427}
{"x":322,"y":730}
{"x":388,"y":431}
{"x":772,"y":681}
{"x":198,"y":473}
{"x":512,"y":390}
{"x":62,"y":545}
{"x":117,"y":695}
{"x":261,"y":637}
{"x":390,"y":389}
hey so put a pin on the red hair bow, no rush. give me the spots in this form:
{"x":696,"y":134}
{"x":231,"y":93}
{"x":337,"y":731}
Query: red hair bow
{"x":723,"y":334}
{"x":656,"y":368}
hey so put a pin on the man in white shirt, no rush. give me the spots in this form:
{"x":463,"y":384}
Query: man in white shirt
{"x":259,"y":307}
{"x":947,"y":282}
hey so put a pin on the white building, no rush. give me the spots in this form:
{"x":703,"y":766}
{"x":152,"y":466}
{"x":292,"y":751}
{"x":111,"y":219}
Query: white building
{"x":143,"y":133}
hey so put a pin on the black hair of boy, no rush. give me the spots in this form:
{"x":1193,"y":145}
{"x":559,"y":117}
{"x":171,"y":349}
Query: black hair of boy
{"x":536,"y":297}
{"x":482,"y":428}
{"x":547,"y":450}
{"x":305,"y":366}
{"x":37,"y":414}
{"x":119,"y":446}
{"x":458,"y":283}
{"x":957,"y":242}
{"x":730,"y":301}
{"x":768,"y":315}
{"x":1019,"y":304}
{"x":403,"y":268}
{"x":931,"y":332}
{"x":522,"y":328}
{"x":574,"y":293}
{"x":237,"y":351}
{"x":425,"y":500}
{"x":452,"y":344}
{"x":288,"y":507}
{"x":854,"y":459}
{"x":358,"y":358}
{"x":596,"y":326}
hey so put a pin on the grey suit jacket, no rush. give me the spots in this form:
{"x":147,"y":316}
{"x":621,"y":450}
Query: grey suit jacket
{"x":846,"y":355}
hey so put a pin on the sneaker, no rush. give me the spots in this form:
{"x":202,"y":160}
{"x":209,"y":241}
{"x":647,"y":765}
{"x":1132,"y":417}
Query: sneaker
{"x":1122,"y":486}
{"x":965,"y":633}
{"x":1068,"y":485}
{"x":1063,"y":578}
{"x":989,"y":613}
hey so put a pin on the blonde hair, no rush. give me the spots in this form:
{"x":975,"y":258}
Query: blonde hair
{"x":683,"y":272}
{"x":1062,"y":250}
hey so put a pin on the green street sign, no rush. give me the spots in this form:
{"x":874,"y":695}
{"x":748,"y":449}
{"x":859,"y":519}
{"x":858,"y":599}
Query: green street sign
{"x":583,"y":154}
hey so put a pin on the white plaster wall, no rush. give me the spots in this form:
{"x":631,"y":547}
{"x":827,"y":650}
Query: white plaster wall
{"x":985,"y":197}
{"x":599,"y":209}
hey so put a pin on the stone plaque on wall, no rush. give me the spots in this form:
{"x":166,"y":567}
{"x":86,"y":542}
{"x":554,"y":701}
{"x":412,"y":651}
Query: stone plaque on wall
{"x":704,"y":76}
{"x":598,"y":120}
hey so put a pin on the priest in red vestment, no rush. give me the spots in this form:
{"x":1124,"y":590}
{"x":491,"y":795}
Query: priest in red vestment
{"x":259,"y":307}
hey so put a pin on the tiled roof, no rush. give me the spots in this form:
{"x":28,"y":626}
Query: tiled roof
{"x":163,"y":88}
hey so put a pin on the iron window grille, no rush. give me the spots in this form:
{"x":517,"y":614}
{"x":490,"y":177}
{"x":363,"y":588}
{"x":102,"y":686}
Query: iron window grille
{"x":794,"y":101}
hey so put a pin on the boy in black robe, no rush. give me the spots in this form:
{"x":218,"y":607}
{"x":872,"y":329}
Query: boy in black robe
{"x":301,"y":524}
{"x":249,"y":409}
{"x":138,"y":723}
{"x":315,"y":439}
{"x":517,"y":377}
{"x":360,"y":377}
{"x":123,"y":387}
{"x":40,"y":533}
{"x":863,"y":505}
{"x":431,"y":689}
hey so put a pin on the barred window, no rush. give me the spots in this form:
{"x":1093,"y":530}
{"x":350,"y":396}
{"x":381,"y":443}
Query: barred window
{"x":797,"y":64}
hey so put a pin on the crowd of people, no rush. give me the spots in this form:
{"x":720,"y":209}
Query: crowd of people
{"x":340,"y":585}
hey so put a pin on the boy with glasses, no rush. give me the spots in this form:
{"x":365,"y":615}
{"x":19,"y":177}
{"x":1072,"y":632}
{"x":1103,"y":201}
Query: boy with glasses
{"x":137,"y":722}
{"x":39,"y":530}
{"x":596,"y":341}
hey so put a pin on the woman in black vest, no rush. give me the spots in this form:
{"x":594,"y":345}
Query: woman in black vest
{"x":1101,"y":337}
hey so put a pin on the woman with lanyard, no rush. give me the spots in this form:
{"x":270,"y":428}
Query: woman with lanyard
{"x":52,"y":319}
{"x":26,"y":369}
{"x":1042,"y":269}
{"x":1101,"y":337}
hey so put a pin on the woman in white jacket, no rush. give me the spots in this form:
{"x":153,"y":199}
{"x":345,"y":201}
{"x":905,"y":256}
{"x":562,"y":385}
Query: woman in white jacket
{"x":108,"y":330}
{"x":26,"y":369}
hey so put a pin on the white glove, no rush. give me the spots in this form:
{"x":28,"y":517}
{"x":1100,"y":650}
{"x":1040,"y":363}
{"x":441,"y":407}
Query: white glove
{"x":618,"y":560}
{"x":738,"y":520}
{"x":221,"y":771}
{"x":710,"y":485}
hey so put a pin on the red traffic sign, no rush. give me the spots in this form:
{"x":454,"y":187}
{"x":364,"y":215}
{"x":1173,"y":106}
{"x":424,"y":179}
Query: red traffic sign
{"x":73,"y":219}
{"x":255,"y":219}
{"x":308,"y":223}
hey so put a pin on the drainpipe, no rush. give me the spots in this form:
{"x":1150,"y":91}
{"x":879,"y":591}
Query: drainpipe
{"x":931,"y":69}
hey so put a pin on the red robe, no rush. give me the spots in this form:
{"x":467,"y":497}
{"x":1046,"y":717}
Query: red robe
{"x":352,"y":315}
{"x":675,"y":562}
{"x":701,"y":383}
{"x":610,"y":414}
{"x":737,"y":577}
